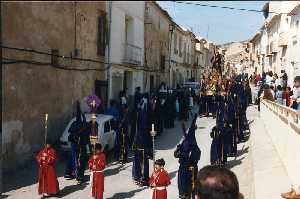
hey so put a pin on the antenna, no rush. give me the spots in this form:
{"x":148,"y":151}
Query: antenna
{"x":207,"y":31}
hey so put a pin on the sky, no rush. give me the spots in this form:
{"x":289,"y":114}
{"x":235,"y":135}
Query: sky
{"x":217,"y":24}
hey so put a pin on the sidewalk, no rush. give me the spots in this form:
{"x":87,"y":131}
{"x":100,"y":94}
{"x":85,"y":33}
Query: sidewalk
{"x":270,"y":176}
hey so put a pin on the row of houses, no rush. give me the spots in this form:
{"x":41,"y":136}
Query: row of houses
{"x":54,"y":54}
{"x":276,"y":45}
{"x":148,"y":48}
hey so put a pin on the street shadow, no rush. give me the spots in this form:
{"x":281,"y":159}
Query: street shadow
{"x":171,"y":137}
{"x":71,"y":189}
{"x":250,"y":122}
{"x":114,"y":171}
{"x":172,"y":174}
{"x":123,"y":195}
{"x":201,"y":127}
{"x":234,"y":163}
{"x":29,"y":172}
{"x":242,"y":151}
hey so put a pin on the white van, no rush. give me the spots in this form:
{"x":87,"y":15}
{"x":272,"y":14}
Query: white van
{"x":106,"y":135}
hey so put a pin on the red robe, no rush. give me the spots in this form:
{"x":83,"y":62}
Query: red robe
{"x":96,"y":165}
{"x":158,"y":183}
{"x":47,"y":177}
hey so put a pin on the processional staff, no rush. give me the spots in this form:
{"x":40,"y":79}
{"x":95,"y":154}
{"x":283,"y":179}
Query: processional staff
{"x":46,"y":128}
{"x":94,"y":135}
{"x":153,"y":134}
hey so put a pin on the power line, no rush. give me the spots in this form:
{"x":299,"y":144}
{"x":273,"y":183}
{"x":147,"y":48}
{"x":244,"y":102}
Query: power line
{"x":8,"y":61}
{"x":224,"y":7}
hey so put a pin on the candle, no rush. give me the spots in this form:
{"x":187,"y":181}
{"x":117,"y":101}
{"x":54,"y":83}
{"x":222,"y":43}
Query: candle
{"x":46,"y":116}
{"x":152,"y":127}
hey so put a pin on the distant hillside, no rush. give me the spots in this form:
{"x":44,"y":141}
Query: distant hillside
{"x":230,"y":43}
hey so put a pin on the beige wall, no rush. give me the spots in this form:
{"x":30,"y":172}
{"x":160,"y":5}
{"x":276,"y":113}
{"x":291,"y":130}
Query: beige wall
{"x":30,"y":91}
{"x":156,"y":42}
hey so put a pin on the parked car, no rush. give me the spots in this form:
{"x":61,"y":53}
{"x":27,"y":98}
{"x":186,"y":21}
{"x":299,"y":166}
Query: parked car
{"x":106,"y":135}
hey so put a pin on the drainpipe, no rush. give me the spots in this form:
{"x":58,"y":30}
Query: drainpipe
{"x":170,"y":51}
{"x":109,"y":74}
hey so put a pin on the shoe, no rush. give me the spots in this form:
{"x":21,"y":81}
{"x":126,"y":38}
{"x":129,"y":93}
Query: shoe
{"x":69,"y":177}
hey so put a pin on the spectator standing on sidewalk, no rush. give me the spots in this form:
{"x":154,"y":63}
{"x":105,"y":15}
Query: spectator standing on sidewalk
{"x":284,"y":78}
{"x":279,"y":98}
{"x":277,"y":81}
{"x":296,"y":93}
{"x":267,"y":94}
{"x":258,"y":78}
{"x":285,"y":97}
{"x":269,"y":78}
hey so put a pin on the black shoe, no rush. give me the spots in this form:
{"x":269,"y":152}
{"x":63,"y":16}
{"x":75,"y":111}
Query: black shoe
{"x":69,"y":177}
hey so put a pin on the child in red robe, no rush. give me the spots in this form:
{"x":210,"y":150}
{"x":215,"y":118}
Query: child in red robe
{"x":96,"y":165}
{"x":159,"y":180}
{"x":48,"y":184}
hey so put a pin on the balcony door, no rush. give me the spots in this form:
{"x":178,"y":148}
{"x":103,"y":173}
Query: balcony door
{"x":129,"y":30}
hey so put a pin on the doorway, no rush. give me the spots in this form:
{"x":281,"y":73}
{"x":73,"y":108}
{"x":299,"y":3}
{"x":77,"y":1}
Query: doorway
{"x":101,"y":91}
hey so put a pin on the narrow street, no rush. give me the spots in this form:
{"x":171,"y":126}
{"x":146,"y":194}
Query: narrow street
{"x":118,"y":182}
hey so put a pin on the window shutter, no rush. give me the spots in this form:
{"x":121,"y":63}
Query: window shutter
{"x":102,"y":31}
{"x":54,"y":57}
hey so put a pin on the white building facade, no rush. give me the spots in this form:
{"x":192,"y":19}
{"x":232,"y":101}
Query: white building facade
{"x":127,"y":47}
{"x":276,"y":46}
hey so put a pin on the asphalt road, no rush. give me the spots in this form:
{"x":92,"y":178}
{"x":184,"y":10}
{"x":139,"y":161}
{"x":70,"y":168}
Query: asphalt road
{"x":118,"y":181}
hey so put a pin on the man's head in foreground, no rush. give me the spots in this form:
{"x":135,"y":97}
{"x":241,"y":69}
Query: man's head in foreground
{"x":217,"y":183}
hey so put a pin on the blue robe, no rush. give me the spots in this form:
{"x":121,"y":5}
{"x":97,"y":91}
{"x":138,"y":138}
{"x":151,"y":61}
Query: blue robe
{"x":122,"y":140}
{"x":189,"y":154}
{"x":215,"y":146}
{"x":140,"y":169}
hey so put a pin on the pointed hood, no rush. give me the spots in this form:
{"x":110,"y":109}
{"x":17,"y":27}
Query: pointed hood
{"x":191,"y":132}
{"x":78,"y":112}
{"x":190,"y":139}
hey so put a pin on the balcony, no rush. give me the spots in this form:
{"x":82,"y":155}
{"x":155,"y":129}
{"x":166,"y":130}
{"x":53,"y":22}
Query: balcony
{"x":268,"y":51}
{"x":273,"y":47}
{"x":132,"y":54}
{"x":283,"y":39}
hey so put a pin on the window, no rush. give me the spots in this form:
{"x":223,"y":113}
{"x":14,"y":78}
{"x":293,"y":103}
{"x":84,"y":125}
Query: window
{"x":162,"y":63}
{"x":180,"y":46}
{"x":54,"y":57}
{"x":106,"y":127}
{"x":101,"y":43}
{"x":175,"y":43}
{"x":159,"y":24}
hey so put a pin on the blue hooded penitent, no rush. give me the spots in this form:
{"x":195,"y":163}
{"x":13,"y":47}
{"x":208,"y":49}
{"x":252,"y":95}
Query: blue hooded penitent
{"x":189,"y":155}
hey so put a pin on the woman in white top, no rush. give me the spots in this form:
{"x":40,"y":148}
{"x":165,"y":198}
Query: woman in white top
{"x":279,"y":99}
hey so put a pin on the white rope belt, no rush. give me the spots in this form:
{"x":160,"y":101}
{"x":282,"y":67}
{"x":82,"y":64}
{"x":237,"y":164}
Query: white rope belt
{"x":98,"y":171}
{"x":158,"y":188}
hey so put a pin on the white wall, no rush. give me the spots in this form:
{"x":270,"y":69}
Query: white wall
{"x":285,"y":139}
{"x":293,"y":52}
{"x":135,"y":11}
{"x":120,"y":9}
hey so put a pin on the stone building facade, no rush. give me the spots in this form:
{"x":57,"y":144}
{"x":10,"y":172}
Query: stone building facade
{"x":158,"y":35}
{"x":36,"y":83}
